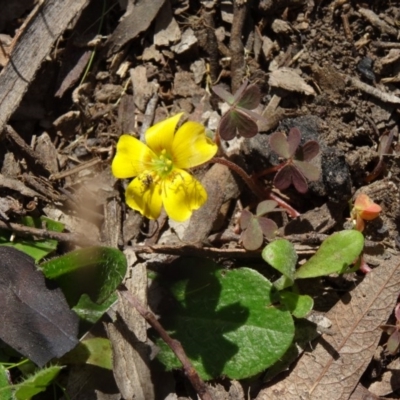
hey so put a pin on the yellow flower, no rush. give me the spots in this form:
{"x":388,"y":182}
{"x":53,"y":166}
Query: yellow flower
{"x":159,"y":168}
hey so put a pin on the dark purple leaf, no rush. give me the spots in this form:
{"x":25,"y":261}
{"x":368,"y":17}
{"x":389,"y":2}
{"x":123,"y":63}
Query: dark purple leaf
{"x":288,"y":175}
{"x":268,"y":227}
{"x":293,"y":139}
{"x":310,"y":171}
{"x":250,"y":98}
{"x":227,"y":126}
{"x":265,"y":207}
{"x":239,"y":92}
{"x":35,"y":317}
{"x":252,"y":237}
{"x":309,"y":150}
{"x":279,"y":144}
{"x":283,"y":178}
{"x":244,"y":124}
{"x":299,"y":181}
{"x":245,"y":219}
{"x":223,"y":94}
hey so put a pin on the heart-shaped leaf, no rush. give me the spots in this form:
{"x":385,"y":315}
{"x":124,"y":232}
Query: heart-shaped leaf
{"x":225,"y":320}
{"x":265,"y":207}
{"x":310,"y":171}
{"x":250,"y":98}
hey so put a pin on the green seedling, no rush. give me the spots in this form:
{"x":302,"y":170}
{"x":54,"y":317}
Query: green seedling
{"x":239,"y":119}
{"x":393,"y":342}
{"x":255,"y":227}
{"x":297,"y":168}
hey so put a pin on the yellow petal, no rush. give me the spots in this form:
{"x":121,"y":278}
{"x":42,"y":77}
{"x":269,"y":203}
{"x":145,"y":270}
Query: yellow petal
{"x":181,"y":194}
{"x":161,"y":135}
{"x":191,"y":146}
{"x":144,"y":195}
{"x":132,"y":158}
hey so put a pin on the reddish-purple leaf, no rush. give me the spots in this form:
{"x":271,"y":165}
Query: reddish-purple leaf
{"x":223,"y":94}
{"x":299,"y":181}
{"x":268,"y":227}
{"x":293,"y":139}
{"x":35,"y":317}
{"x":265,"y":207}
{"x":239,"y":92}
{"x":252,"y":237}
{"x":244,"y":124}
{"x":279,"y":144}
{"x":310,"y":171}
{"x":393,"y":342}
{"x":251,"y":98}
{"x":227,"y":126}
{"x":309,"y":150}
{"x":283,"y":178}
{"x":245,"y":219}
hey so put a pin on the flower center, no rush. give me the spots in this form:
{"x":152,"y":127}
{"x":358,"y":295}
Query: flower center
{"x":163,"y":165}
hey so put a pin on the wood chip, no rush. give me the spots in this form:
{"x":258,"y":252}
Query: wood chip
{"x":290,"y":80}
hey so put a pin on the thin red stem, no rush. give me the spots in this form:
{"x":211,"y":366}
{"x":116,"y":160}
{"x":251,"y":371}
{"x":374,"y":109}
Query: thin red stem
{"x":261,"y":194}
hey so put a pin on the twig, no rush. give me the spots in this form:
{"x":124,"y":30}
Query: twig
{"x":149,"y":114}
{"x":386,"y":45}
{"x":13,"y":136}
{"x":74,"y":170}
{"x":175,"y":346}
{"x":27,"y":231}
{"x":374,"y":19}
{"x":212,"y":44}
{"x":192,"y":250}
{"x":385,"y":97}
{"x":236,"y":44}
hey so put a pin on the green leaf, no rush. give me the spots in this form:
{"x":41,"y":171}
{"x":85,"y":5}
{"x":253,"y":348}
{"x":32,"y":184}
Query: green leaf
{"x":95,"y":271}
{"x":335,"y":255}
{"x":281,"y":255}
{"x":36,"y":383}
{"x":5,"y":388}
{"x":94,"y":351}
{"x":299,"y":305}
{"x":37,"y":249}
{"x":225,"y":321}
{"x":90,"y":312}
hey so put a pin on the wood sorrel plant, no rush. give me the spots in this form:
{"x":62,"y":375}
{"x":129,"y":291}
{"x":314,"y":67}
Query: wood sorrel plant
{"x":239,"y":119}
{"x":255,"y":227}
{"x":297,"y":168}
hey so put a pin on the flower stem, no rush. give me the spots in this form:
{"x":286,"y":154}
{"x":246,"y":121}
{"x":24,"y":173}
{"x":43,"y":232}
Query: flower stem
{"x":242,"y":173}
{"x":261,"y":194}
